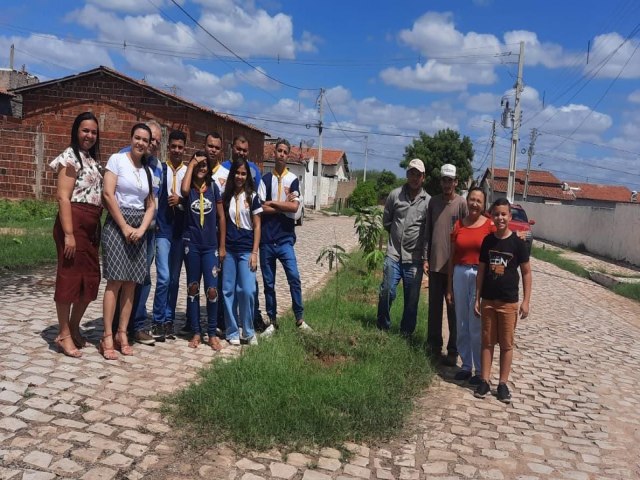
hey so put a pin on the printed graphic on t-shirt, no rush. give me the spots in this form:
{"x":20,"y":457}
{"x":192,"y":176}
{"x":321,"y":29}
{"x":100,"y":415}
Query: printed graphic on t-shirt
{"x":208,"y":206}
{"x":498,"y":262}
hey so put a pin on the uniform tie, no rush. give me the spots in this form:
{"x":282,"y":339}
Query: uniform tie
{"x":203,"y":188}
{"x":237,"y":197}
{"x":279,"y":177}
{"x":174,"y":179}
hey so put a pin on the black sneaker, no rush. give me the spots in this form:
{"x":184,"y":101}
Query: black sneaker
{"x":144,"y":338}
{"x":169,"y":332}
{"x":482,"y":390}
{"x":462,"y":375}
{"x":185,"y":331}
{"x":157,"y":330}
{"x":503,"y":393}
{"x":475,"y":380}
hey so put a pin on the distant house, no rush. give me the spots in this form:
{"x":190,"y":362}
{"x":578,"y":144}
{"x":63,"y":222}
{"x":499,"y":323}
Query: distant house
{"x":335,"y":173}
{"x":29,"y":141}
{"x":545,"y":187}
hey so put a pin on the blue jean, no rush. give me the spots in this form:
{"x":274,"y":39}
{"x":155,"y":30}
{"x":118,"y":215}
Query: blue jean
{"x":269,"y":253}
{"x":469,"y":326}
{"x":238,"y":291}
{"x":411,"y":275}
{"x":201,"y":263}
{"x":169,"y":257}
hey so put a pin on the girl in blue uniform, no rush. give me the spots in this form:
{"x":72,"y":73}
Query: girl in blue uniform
{"x":203,"y":250}
{"x":242,"y":208}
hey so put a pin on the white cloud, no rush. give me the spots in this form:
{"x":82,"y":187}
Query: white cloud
{"x":455,"y":60}
{"x":45,"y":50}
{"x":308,"y":43}
{"x":483,"y":102}
{"x":611,"y":56}
{"x":132,"y":6}
{"x":634,"y":96}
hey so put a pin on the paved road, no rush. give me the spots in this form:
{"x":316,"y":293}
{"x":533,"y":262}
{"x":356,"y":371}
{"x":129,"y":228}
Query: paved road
{"x":575,"y":412}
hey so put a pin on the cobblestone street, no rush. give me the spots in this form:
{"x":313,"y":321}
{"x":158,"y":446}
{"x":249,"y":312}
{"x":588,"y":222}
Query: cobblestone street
{"x":575,"y":412}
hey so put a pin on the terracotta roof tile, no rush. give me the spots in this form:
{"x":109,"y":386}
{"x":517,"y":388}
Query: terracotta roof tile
{"x":606,"y":193}
{"x":115,"y":73}
{"x":552,"y":192}
{"x":329,"y":157}
{"x":538,"y":176}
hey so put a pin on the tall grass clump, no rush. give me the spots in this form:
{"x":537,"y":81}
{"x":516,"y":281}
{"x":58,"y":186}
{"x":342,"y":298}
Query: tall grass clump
{"x":317,"y":389}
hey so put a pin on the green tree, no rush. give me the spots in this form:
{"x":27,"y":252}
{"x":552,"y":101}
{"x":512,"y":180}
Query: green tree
{"x":364,"y":195}
{"x":386,"y":182}
{"x":443,"y":147}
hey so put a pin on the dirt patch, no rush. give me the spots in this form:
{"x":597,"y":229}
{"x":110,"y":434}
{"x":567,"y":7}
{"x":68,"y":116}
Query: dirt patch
{"x":13,"y":231}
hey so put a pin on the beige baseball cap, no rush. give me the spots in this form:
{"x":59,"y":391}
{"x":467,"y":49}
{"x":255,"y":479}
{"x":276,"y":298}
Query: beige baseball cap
{"x":417,"y":164}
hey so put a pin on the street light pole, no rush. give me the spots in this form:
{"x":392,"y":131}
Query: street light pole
{"x":319,"y":181}
{"x":511,"y":183}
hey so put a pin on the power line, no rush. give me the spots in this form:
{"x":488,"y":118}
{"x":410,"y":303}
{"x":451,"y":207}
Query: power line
{"x":261,"y":72}
{"x":337,"y":122}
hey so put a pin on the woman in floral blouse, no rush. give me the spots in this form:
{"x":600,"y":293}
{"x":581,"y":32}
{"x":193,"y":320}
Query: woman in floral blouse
{"x":77,"y":231}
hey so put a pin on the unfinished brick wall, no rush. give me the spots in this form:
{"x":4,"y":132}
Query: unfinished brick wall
{"x":118,"y":105}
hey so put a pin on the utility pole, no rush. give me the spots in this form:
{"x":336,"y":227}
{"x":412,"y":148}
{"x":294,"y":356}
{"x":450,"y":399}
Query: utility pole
{"x":493,"y":160}
{"x":511,"y":182}
{"x":319,"y":181}
{"x":532,"y":142}
{"x":366,"y":152}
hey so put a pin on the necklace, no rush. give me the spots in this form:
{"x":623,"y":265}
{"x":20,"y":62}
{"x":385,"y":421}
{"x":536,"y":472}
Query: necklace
{"x":136,"y":173}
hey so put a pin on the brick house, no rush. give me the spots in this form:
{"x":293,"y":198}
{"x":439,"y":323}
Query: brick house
{"x":29,"y":143}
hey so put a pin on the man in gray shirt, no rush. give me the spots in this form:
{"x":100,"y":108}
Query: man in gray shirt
{"x":404,"y":218}
{"x":443,"y":212}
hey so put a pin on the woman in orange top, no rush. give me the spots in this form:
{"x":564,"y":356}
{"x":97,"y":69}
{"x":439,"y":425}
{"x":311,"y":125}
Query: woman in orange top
{"x":466,"y":240}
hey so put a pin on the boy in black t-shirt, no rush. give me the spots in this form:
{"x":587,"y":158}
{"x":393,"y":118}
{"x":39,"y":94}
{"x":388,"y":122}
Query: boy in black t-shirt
{"x":497,"y":285}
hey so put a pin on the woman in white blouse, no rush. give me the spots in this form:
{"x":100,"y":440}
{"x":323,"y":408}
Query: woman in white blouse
{"x":129,"y":199}
{"x":77,"y":231}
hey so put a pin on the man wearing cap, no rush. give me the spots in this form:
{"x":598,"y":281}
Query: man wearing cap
{"x":404,"y":217}
{"x":443,"y":212}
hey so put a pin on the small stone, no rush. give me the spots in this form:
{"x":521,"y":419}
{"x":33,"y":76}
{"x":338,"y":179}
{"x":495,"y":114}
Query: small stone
{"x":405,"y":461}
{"x":38,"y":459}
{"x":382,"y":474}
{"x":313,"y":475}
{"x":65,"y":466}
{"x":135,"y":450}
{"x":409,"y":474}
{"x":89,"y":455}
{"x":246,"y":464}
{"x":330,"y":453}
{"x":467,"y":471}
{"x":492,"y":474}
{"x":117,"y":460}
{"x":35,"y":475}
{"x":540,"y":468}
{"x":147,"y":462}
{"x":360,"y":461}
{"x":7,"y":396}
{"x":435,"y":468}
{"x":102,"y":429}
{"x":357,"y":449}
{"x":12,"y":424}
{"x":282,"y":470}
{"x":99,"y":473}
{"x":298,"y":460}
{"x":356,"y":471}
{"x":35,"y":416}
{"x":251,"y":476}
{"x":136,"y":437}
{"x":331,"y":464}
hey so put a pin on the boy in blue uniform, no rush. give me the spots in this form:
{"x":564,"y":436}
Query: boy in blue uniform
{"x":280,"y":194}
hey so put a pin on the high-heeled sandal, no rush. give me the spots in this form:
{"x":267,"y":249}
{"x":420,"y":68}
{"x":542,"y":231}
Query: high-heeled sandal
{"x":75,"y":353}
{"x":123,"y":348}
{"x":107,"y":353}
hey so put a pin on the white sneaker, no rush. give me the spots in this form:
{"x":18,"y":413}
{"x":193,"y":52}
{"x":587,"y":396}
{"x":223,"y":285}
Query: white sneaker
{"x":234,"y":341}
{"x":305,"y":326}
{"x":253,"y":340}
{"x":270,"y":330}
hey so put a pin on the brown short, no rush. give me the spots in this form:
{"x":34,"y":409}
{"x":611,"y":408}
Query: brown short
{"x":78,"y":278}
{"x":499,"y":321}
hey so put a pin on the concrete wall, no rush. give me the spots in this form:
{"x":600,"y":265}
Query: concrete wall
{"x":612,"y":233}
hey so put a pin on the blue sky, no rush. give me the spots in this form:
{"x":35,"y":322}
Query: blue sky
{"x":390,"y":69}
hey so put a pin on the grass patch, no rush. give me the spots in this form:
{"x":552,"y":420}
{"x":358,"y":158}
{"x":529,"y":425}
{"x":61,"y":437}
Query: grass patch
{"x":555,"y":257}
{"x":347,"y":381}
{"x":26,"y":233}
{"x":629,"y":290}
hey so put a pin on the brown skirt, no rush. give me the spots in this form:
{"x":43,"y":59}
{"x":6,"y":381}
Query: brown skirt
{"x":78,"y":278}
